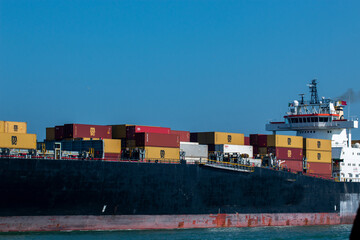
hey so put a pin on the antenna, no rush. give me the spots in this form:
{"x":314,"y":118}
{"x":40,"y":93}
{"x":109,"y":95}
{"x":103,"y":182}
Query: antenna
{"x":349,"y":108}
{"x":302,"y":98}
{"x":313,"y":91}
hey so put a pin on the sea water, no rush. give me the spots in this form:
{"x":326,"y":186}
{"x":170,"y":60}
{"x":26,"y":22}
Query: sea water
{"x":288,"y":232}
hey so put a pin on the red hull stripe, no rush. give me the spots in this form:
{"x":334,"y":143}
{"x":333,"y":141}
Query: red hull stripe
{"x":142,"y":222}
{"x":311,"y":115}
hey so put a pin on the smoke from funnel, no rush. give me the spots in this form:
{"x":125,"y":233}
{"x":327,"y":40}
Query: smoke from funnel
{"x":350,"y":96}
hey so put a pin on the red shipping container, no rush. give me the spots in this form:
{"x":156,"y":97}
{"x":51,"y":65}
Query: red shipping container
{"x":254,"y":139}
{"x":131,"y":130}
{"x":293,"y":165}
{"x":59,"y":132}
{"x":157,"y":140}
{"x":258,"y":140}
{"x":247,"y":141}
{"x":321,"y":169}
{"x":184,"y":135}
{"x":286,"y":153}
{"x":262,"y":141}
{"x":87,"y":131}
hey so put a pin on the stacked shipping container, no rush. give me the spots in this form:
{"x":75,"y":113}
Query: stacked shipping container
{"x":184,"y":135}
{"x":81,"y":137}
{"x":288,"y":149}
{"x":158,"y":143}
{"x":146,"y":139}
{"x":247,"y":141}
{"x":215,"y":138}
{"x":79,"y":131}
{"x":131,"y":137}
{"x":164,"y":144}
{"x":223,"y":142}
{"x":119,"y":132}
{"x":13,"y":127}
{"x":109,"y":149}
{"x":194,"y":152}
{"x":87,"y":131}
{"x":259,"y":143}
{"x":112,"y":149}
{"x":13,"y":135}
{"x":318,"y":157}
{"x":50,"y":134}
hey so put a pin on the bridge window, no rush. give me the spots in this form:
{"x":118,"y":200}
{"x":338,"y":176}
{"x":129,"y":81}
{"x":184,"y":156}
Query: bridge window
{"x":322,"y":119}
{"x":300,"y":120}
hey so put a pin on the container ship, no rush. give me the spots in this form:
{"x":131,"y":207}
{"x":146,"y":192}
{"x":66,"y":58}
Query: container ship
{"x":116,"y":177}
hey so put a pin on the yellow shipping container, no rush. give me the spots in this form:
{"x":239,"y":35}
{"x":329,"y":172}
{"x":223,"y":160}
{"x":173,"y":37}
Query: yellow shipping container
{"x":2,"y":126}
{"x":161,"y":153}
{"x":15,"y":127}
{"x":318,"y":156}
{"x":112,"y":146}
{"x":284,"y":141}
{"x":17,"y":140}
{"x":50,"y":134}
{"x":119,"y":131}
{"x":317,"y":144}
{"x":220,"y":138}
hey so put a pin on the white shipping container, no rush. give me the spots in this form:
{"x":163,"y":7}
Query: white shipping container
{"x":194,"y":150}
{"x":241,"y":149}
{"x":193,"y":160}
{"x":190,"y":143}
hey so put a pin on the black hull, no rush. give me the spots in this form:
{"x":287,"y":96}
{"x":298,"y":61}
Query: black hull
{"x":36,"y":187}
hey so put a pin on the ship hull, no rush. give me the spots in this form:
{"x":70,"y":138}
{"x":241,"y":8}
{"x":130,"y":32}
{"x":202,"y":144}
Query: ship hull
{"x":56,"y":195}
{"x":147,"y":222}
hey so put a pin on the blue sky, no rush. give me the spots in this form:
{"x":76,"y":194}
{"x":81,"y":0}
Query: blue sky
{"x":189,"y":65}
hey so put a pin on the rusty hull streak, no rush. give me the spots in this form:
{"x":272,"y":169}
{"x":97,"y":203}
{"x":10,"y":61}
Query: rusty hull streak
{"x":142,"y":222}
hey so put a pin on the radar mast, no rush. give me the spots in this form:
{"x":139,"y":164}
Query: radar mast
{"x":314,"y":94}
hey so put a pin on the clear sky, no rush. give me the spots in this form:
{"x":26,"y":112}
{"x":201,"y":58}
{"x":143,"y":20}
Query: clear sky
{"x":189,"y":65}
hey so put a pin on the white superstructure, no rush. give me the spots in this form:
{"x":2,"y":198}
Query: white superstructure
{"x":324,"y":119}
